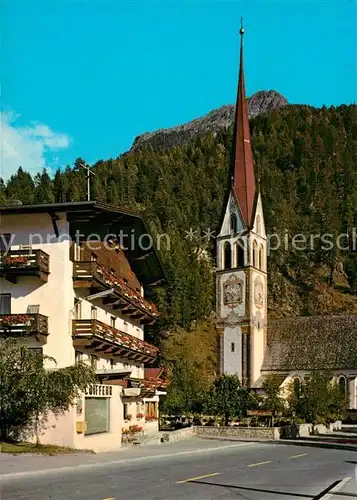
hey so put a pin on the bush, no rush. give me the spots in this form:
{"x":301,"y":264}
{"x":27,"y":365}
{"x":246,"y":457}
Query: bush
{"x":29,"y":392}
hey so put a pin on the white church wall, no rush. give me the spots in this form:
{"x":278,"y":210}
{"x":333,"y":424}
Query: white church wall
{"x":350,"y":376}
{"x":232,"y":346}
{"x":258,"y":311}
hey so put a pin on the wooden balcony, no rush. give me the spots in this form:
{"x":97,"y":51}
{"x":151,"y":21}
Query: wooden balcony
{"x":96,"y":277}
{"x":16,"y":263}
{"x":23,"y":325}
{"x":95,"y":335}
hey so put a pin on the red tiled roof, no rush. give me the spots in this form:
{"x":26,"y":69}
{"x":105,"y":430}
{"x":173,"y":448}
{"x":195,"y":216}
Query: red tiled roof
{"x":152,"y":373}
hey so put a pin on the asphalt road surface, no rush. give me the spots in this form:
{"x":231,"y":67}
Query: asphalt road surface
{"x":205,"y":471}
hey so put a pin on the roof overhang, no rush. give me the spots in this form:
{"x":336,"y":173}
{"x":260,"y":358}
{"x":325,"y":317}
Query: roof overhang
{"x":112,"y":374}
{"x":92,"y":220}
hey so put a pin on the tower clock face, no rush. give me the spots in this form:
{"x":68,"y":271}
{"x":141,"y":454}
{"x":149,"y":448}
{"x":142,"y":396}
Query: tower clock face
{"x":258,"y":293}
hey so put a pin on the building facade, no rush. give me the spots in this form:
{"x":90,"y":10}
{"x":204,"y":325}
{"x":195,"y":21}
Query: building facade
{"x":76,"y":293}
{"x":249,"y":347}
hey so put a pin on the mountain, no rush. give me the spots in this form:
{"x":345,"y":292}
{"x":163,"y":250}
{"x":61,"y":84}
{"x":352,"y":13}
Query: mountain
{"x":214,"y":122}
{"x":306,"y":159}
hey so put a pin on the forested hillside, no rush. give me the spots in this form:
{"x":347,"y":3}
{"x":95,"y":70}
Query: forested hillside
{"x":307,"y":161}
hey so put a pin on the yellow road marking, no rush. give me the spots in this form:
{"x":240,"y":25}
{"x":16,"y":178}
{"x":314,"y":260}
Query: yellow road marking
{"x":260,"y":463}
{"x":198,"y":477}
{"x":298,"y":456}
{"x":109,"y":498}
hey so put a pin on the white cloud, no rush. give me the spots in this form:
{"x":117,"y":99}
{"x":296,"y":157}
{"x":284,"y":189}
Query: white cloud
{"x":27,"y":146}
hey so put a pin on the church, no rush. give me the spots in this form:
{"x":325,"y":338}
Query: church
{"x":250,"y":345}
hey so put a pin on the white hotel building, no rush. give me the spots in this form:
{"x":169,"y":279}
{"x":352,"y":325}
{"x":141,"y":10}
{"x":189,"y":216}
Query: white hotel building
{"x":76,"y":292}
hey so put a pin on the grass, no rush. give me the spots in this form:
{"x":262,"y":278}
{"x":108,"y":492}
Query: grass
{"x":14,"y":448}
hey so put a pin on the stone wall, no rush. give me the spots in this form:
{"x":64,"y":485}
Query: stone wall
{"x":178,"y":435}
{"x":265,"y":433}
{"x":244,"y":433}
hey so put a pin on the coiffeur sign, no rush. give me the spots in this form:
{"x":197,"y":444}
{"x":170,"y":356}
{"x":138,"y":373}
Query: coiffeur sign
{"x":99,"y":390}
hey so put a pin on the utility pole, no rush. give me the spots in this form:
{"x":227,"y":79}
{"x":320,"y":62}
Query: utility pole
{"x":89,"y":173}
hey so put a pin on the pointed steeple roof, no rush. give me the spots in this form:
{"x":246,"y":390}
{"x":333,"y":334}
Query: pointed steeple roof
{"x":242,"y":159}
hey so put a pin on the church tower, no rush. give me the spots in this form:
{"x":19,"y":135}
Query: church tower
{"x":241,"y":277}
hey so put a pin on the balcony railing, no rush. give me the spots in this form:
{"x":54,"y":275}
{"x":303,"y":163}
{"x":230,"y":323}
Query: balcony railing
{"x":129,"y":301}
{"x":17,"y":263}
{"x":93,"y":334}
{"x":23,"y":325}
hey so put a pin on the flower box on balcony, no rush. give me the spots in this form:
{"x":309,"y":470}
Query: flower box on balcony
{"x":17,"y":320}
{"x":19,"y":261}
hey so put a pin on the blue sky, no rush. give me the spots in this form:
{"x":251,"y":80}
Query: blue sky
{"x":84,"y":77}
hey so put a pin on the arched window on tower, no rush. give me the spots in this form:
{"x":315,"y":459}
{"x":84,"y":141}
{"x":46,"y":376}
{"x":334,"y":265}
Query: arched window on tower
{"x":255,"y":254}
{"x":261,"y":255}
{"x":239,"y":254}
{"x":227,"y":255}
{"x":234,"y":224}
{"x":259,"y":225}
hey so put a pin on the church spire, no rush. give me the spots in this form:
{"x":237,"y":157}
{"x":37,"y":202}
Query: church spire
{"x":243,"y":166}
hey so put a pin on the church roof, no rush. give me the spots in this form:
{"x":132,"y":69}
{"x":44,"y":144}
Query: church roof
{"x":311,"y":342}
{"x":242,"y":157}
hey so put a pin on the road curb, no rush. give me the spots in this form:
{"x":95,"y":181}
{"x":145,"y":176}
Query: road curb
{"x":336,"y":489}
{"x":318,"y":444}
{"x":296,"y":442}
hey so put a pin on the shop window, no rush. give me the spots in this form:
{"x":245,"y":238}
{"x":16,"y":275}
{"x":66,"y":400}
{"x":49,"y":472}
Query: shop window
{"x":97,"y":411}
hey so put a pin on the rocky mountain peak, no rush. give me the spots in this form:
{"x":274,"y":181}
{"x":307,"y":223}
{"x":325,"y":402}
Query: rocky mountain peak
{"x":218,"y":119}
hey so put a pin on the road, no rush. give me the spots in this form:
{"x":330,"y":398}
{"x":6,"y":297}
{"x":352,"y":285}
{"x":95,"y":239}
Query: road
{"x":196,"y":470}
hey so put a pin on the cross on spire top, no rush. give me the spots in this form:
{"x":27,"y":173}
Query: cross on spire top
{"x":241,"y":31}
